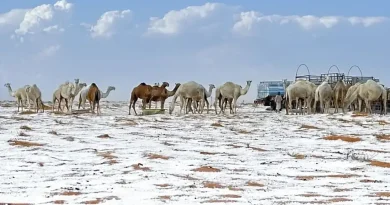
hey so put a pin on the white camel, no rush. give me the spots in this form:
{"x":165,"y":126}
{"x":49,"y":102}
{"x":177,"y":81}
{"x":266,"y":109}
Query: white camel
{"x":207,"y":95}
{"x":34,"y":94}
{"x":66,"y":93}
{"x":369,"y":91}
{"x":187,"y":90}
{"x":339,"y":90}
{"x":230,"y":90}
{"x":356,"y":103}
{"x":57,"y":93}
{"x":82,"y":95}
{"x":323,"y":94}
{"x":20,"y":95}
{"x":300,"y":89}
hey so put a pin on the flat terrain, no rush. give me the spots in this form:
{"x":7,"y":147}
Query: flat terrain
{"x":254,"y":157}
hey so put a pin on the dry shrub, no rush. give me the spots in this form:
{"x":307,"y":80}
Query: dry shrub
{"x":58,"y":202}
{"x":218,"y":201}
{"x":230,"y":196}
{"x":343,"y":138}
{"x":370,"y":181}
{"x":359,"y":114}
{"x":216,"y":124}
{"x":213,"y":185}
{"x":27,"y":112}
{"x":304,"y":178}
{"x":235,"y":188}
{"x":104,"y":136}
{"x":243,"y":132}
{"x":157,"y":156}
{"x":309,"y":127}
{"x":297,"y":156}
{"x":163,"y":185}
{"x":101,"y":200}
{"x":307,"y":178}
{"x":108,"y":155}
{"x":380,"y":164}
{"x":53,"y":132}
{"x":310,"y":195}
{"x":25,"y":127}
{"x":250,"y":183}
{"x":258,"y":149}
{"x":165,"y":197}
{"x":209,"y":153}
{"x":383,"y":137}
{"x":334,"y":200}
{"x":140,"y":167}
{"x":70,"y":193}
{"x":23,"y":143}
{"x":382,"y":194}
{"x":206,"y":169}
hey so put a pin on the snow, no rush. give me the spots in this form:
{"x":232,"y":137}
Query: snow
{"x":254,"y":145}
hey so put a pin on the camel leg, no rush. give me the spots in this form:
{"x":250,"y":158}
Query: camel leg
{"x":134,"y":101}
{"x":208,"y":106}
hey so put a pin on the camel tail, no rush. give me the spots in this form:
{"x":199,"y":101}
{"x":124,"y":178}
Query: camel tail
{"x":317,"y":96}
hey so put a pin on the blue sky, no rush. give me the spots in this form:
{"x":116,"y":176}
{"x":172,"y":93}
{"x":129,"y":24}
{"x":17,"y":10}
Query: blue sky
{"x":123,"y":43}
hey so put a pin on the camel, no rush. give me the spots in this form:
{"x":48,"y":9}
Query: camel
{"x":20,"y":95}
{"x":207,"y":95}
{"x":57,"y":93}
{"x":170,"y":93}
{"x":82,"y":95}
{"x":159,"y":93}
{"x":356,"y":104}
{"x":340,"y":91}
{"x":187,"y":90}
{"x":142,"y":91}
{"x":368,"y":91}
{"x":232,"y":90}
{"x":221,"y":105}
{"x":34,"y":93}
{"x":66,"y":93}
{"x":324,"y":94}
{"x":94,"y":96}
{"x":300,"y":89}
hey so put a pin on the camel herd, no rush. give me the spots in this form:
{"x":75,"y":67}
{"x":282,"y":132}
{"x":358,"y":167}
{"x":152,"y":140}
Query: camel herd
{"x":66,"y":91}
{"x":193,"y":96}
{"x":342,"y":95}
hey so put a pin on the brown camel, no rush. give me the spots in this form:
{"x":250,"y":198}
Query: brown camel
{"x":93,"y":97}
{"x":339,"y":90}
{"x":142,"y":91}
{"x":159,"y":93}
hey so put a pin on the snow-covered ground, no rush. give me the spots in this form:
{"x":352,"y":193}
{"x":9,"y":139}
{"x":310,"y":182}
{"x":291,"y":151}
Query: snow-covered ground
{"x":254,"y":157}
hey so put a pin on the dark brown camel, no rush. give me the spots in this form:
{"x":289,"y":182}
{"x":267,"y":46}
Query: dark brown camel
{"x":94,"y":96}
{"x":142,"y":91}
{"x":164,"y":96}
{"x":159,"y":93}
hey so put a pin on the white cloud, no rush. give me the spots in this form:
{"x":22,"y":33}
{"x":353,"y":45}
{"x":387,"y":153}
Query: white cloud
{"x":53,"y":29}
{"x":366,"y":21}
{"x":37,"y":17}
{"x":247,"y":20}
{"x":49,"y":51}
{"x":174,"y":21}
{"x":106,"y":25}
{"x":63,"y":5}
{"x":34,"y":17}
{"x":12,"y":18}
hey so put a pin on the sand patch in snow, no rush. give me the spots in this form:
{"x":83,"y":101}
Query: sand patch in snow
{"x":343,"y":138}
{"x":22,"y":143}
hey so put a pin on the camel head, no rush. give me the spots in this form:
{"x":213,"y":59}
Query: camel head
{"x":7,"y":85}
{"x":110,"y":88}
{"x":81,"y":85}
{"x":76,"y":81}
{"x":165,"y":84}
{"x":248,"y":82}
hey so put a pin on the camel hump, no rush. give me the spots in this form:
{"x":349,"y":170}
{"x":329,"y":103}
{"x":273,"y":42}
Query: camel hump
{"x":93,"y":85}
{"x":142,"y":84}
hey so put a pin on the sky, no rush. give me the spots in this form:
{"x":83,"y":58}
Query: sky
{"x":123,"y":43}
